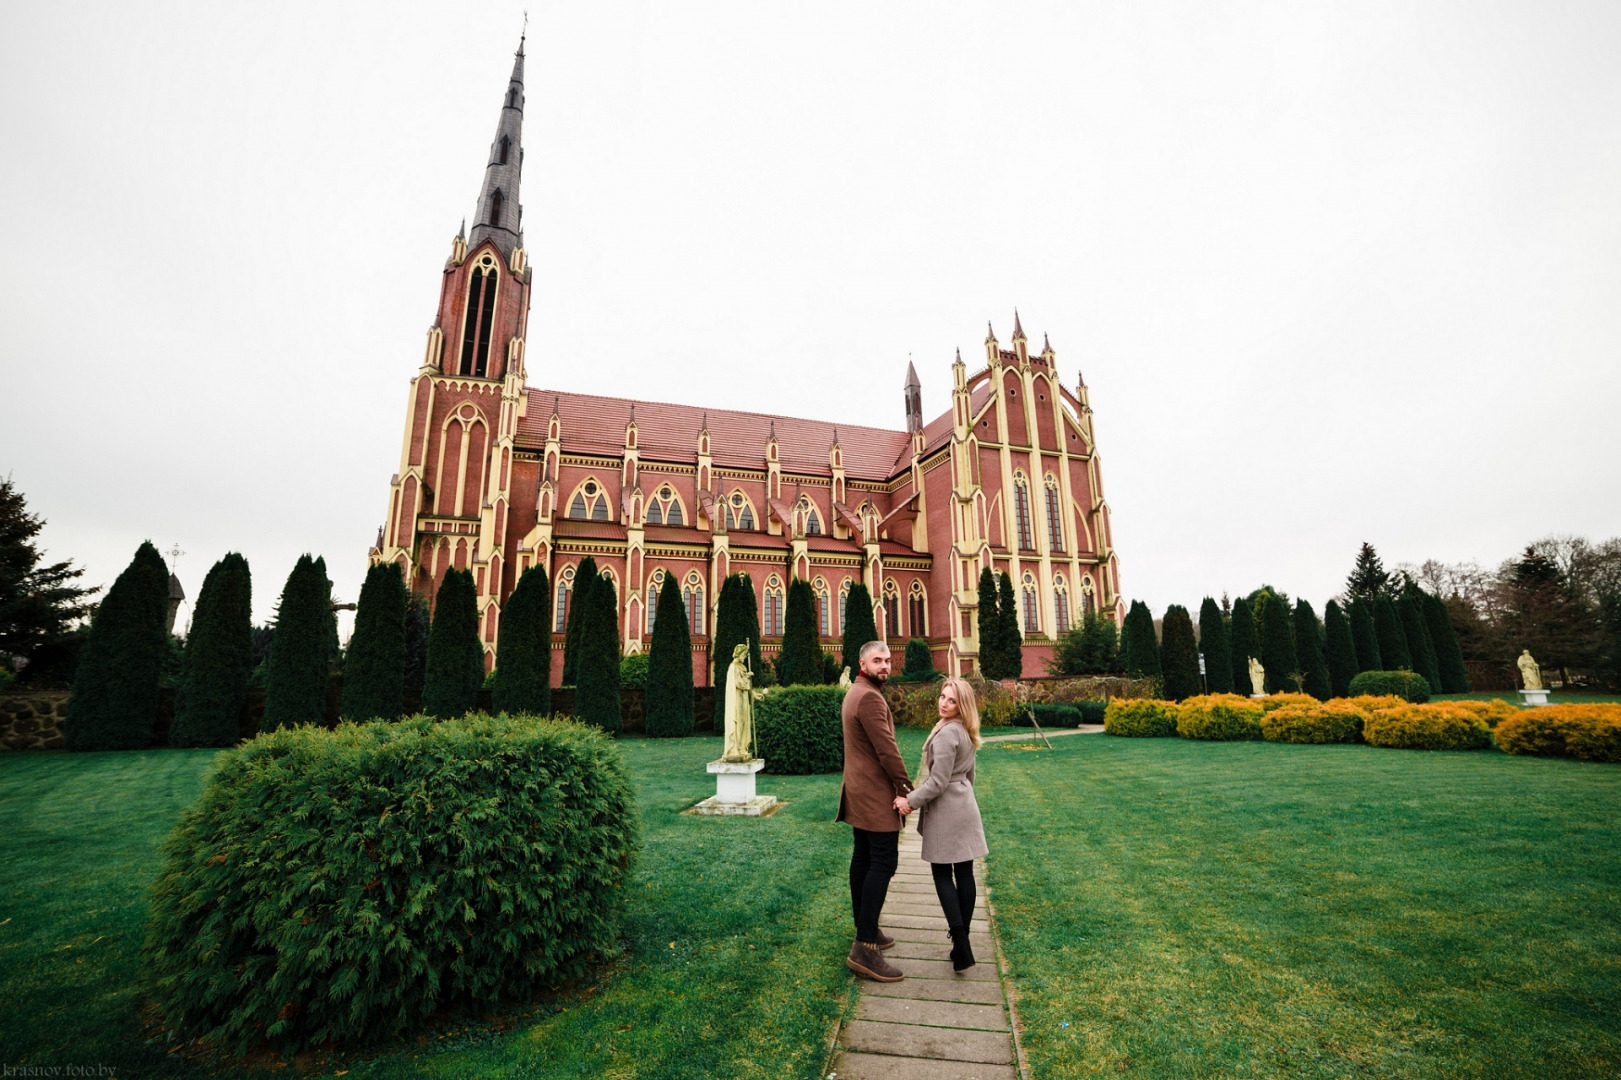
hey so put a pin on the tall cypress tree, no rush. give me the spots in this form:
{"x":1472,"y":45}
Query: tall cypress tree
{"x":1340,"y":649}
{"x":736,"y":623}
{"x":1217,"y":650}
{"x":669,"y":669}
{"x":1368,"y":578}
{"x":1365,"y":636}
{"x":1245,"y":644}
{"x":1138,"y":644}
{"x":1010,"y":642}
{"x":1392,"y":641}
{"x":1411,"y":610}
{"x":585,"y":576}
{"x":596,"y":694}
{"x":1278,"y":654}
{"x":1448,"y":656}
{"x":1309,"y":648}
{"x":219,"y":659}
{"x":455,"y":657}
{"x":990,"y":626}
{"x":374,"y":669}
{"x":300,"y":661}
{"x":859,"y":627}
{"x":1179,"y":655}
{"x":800,"y":662}
{"x":523,"y":665}
{"x":115,"y":689}
{"x":418,"y":624}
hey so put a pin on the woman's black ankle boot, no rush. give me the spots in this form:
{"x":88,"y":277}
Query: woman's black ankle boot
{"x":962,"y":955}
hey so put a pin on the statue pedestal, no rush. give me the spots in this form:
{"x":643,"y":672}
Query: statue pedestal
{"x":1257,"y":695}
{"x":734,"y":790}
{"x":1533,"y":697}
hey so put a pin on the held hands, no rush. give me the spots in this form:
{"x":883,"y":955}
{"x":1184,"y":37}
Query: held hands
{"x":902,"y":805}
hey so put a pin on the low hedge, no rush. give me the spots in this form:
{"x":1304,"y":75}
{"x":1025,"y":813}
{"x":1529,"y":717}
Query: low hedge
{"x":1050,"y":716}
{"x":1219,"y":717}
{"x":1141,"y":718}
{"x":346,"y":885}
{"x":1407,"y":685}
{"x":1284,"y":700}
{"x":1335,"y":721}
{"x":801,"y":729}
{"x":1584,"y":732}
{"x":1424,"y":727}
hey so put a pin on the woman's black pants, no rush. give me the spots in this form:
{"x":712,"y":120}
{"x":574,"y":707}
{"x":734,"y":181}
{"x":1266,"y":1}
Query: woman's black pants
{"x":956,"y":898}
{"x":871,"y":866}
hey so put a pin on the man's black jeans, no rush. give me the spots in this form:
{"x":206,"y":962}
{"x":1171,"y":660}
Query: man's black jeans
{"x":871,"y":866}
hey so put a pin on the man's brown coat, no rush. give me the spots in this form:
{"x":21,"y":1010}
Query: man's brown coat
{"x":873,"y":771}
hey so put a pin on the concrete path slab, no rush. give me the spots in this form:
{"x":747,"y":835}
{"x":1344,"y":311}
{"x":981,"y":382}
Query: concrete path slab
{"x":932,"y":1013}
{"x":917,"y":1040}
{"x":855,"y":1066}
{"x":974,"y":993}
{"x":913,"y":935}
{"x":941,"y":969}
{"x":930,"y":922}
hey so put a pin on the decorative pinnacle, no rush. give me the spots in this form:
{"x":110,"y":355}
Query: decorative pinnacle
{"x":633,"y":414}
{"x":703,"y":425}
{"x":990,"y":335}
{"x":835,"y":435}
{"x":772,"y":431}
{"x":556,"y":401}
{"x":1018,"y":331}
{"x":959,"y":355}
{"x":461,"y":233}
{"x":1046,"y":346}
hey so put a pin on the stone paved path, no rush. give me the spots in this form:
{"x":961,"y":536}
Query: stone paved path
{"x":935,"y":1024}
{"x":1052,"y":733}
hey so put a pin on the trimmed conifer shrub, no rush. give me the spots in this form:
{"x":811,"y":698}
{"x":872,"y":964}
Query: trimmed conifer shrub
{"x":1244,"y":643}
{"x":989,"y":622}
{"x":1393,"y":643}
{"x":1320,"y":723}
{"x":1009,"y":640}
{"x":800,"y":730}
{"x":320,"y":888}
{"x":1448,"y":656}
{"x":919,"y":662}
{"x":219,"y":659}
{"x":1309,"y":648}
{"x":596,"y":694}
{"x":1219,"y":718}
{"x":1139,"y":648}
{"x":1092,"y":648}
{"x":115,"y":689}
{"x":374,"y":668}
{"x":300,"y":653}
{"x":736,"y":623}
{"x":1141,"y":718}
{"x":1340,"y":650}
{"x":455,"y":657}
{"x":859,"y":627}
{"x":1364,"y":636}
{"x":523,"y":661}
{"x":1423,"y":729}
{"x":800,"y":662}
{"x":1278,"y":655}
{"x":1217,"y":650}
{"x":1407,"y":685}
{"x":669,"y":670}
{"x":418,"y":625}
{"x":1584,"y":732}
{"x":585,"y":576}
{"x":1422,"y":650}
{"x":1179,"y":655}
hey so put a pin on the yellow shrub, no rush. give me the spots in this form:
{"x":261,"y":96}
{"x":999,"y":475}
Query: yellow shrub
{"x":1585,"y":732}
{"x":1491,"y":712}
{"x":1141,"y":718}
{"x":1219,"y":716}
{"x":1426,"y":727}
{"x":1282,"y":701}
{"x":1337,"y":721}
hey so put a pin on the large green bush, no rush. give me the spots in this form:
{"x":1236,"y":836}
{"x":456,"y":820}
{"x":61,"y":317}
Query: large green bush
{"x":1408,"y":685}
{"x":1092,"y":648}
{"x":349,"y":884}
{"x":800,"y":729}
{"x":115,"y":690}
{"x":1051,"y":716}
{"x":919,"y":662}
{"x":633,"y":671}
{"x":1141,"y":718}
{"x":1219,"y":718}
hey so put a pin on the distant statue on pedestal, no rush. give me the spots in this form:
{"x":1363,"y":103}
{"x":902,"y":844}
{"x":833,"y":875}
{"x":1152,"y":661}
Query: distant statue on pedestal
{"x":1257,"y":678}
{"x":1530,"y":674}
{"x":739,"y":708}
{"x":844,"y":679}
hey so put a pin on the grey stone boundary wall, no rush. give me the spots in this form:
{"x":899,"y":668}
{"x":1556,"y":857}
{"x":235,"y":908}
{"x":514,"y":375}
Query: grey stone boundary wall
{"x":33,"y":721}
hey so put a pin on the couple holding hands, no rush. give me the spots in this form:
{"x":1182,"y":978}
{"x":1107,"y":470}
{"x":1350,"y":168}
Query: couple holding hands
{"x":878,"y":796}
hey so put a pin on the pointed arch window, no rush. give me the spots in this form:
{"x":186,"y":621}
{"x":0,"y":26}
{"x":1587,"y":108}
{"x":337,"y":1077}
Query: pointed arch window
{"x":1032,"y":614}
{"x":665,"y":508}
{"x":1055,"y":520}
{"x":772,"y":607}
{"x":1060,"y":605}
{"x":892,"y":609}
{"x":512,"y":102}
{"x":506,"y":145}
{"x":590,"y":502}
{"x":1021,"y":512}
{"x":917,"y":610}
{"x":653,"y":587}
{"x":824,"y":608}
{"x":479,"y":318}
{"x":739,"y":514}
{"x":844,"y":601}
{"x":497,"y":201}
{"x":693,"y":595}
{"x":565,"y":592}
{"x":810,"y":519}
{"x":1088,"y":603}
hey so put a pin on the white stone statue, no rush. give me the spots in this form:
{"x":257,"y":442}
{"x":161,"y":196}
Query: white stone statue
{"x":1529,"y":672}
{"x":844,"y":679}
{"x":739,"y":708}
{"x":1257,"y":678}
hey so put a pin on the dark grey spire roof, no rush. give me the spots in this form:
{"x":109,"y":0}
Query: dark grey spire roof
{"x":499,"y":215}
{"x":911,"y":375}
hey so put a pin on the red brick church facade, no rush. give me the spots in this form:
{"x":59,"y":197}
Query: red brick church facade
{"x":496,"y":476}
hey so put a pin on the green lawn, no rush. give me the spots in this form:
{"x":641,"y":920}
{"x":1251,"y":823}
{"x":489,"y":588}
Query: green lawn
{"x":1181,"y":909}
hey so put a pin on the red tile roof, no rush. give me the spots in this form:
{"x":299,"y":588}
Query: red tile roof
{"x":588,"y":530}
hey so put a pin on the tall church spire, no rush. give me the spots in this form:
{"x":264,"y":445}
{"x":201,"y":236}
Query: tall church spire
{"x":500,"y":217}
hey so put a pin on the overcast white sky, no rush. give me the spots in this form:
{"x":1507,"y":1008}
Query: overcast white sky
{"x":1334,"y":272}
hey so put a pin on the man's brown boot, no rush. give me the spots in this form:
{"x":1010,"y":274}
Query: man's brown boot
{"x":868,"y":962}
{"x":885,"y":942}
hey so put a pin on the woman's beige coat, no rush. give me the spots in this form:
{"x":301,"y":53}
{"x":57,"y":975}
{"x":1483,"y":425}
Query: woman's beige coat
{"x":948,"y":815}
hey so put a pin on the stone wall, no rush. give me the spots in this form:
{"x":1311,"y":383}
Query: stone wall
{"x":33,"y":720}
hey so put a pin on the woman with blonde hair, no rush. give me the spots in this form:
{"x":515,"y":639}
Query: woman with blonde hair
{"x":948,"y":818}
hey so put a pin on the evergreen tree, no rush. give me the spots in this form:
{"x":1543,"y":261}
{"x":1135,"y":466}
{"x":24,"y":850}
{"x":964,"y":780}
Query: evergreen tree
{"x":800,"y":661}
{"x":455,"y":657}
{"x":919,"y":661}
{"x":736,"y":623}
{"x":1419,"y":646}
{"x":1448,"y":656}
{"x":1392,"y":641}
{"x":1309,"y":648}
{"x":1010,"y":642}
{"x":374,"y":669}
{"x":1278,"y":654}
{"x":596,"y":695}
{"x":585,"y":576}
{"x":1218,"y":652}
{"x":1245,"y":643}
{"x":1091,"y":648}
{"x":1341,"y":650}
{"x":523,"y":664}
{"x":1138,"y":644}
{"x":1365,"y":636}
{"x":418,"y":624}
{"x":990,"y":626}
{"x":1179,"y":655}
{"x":1368,"y":577}
{"x":859,"y":627}
{"x":669,"y":669}
{"x":300,"y":654}
{"x":38,"y":602}
{"x":219,"y":659}
{"x":115,"y":690}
